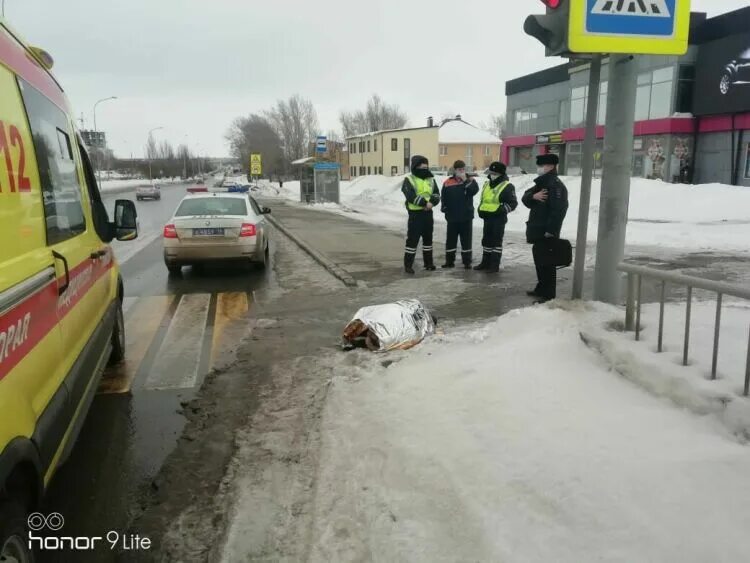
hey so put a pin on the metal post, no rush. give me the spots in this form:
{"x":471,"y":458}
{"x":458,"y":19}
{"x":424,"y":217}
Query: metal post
{"x":747,"y":368}
{"x":717,"y":330}
{"x":638,"y":310}
{"x":661,"y":315}
{"x":615,"y":193}
{"x":688,"y":313}
{"x":630,"y":303}
{"x":589,"y":144}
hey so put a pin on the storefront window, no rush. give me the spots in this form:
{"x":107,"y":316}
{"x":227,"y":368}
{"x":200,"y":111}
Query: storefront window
{"x":747,"y":163}
{"x":654,"y":94}
{"x":602,"y":111}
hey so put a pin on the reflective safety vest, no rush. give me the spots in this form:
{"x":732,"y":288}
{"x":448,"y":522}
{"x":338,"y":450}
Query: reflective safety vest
{"x":491,"y":196}
{"x":423,"y":189}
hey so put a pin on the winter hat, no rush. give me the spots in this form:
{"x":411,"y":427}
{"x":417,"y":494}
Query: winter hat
{"x":550,"y":158}
{"x":498,"y":168}
{"x":459,"y":164}
{"x":418,"y":160}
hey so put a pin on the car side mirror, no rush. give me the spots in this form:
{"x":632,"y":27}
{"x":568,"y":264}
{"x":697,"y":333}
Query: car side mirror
{"x":126,"y":220}
{"x":265,"y":210}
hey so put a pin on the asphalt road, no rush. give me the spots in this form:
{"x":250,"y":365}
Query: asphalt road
{"x":177,"y":329}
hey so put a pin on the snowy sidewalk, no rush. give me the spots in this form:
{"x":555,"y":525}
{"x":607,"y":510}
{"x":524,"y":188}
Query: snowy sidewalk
{"x":514,"y":441}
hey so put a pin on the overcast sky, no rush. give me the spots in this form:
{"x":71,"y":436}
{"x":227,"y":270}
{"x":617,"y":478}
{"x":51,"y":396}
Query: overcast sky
{"x":192,"y":66}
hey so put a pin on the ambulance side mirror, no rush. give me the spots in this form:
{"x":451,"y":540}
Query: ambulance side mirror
{"x":126,"y":220}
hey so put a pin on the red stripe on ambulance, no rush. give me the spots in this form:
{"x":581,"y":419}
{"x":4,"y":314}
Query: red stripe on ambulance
{"x":24,"y":326}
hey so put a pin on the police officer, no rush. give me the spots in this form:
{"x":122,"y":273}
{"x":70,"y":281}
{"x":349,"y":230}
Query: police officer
{"x":498,"y":199}
{"x":548,"y":202}
{"x":421,"y":193}
{"x":457,"y":204}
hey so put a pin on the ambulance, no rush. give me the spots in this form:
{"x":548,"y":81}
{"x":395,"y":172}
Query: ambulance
{"x":61,"y":292}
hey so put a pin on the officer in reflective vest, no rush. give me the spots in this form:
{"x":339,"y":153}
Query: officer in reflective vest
{"x":498,"y":199}
{"x":421,"y":193}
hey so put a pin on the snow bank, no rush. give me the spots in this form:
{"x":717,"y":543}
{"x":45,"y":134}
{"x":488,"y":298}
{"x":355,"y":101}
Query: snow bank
{"x":705,"y":217}
{"x":123,"y":185}
{"x":515,"y":441}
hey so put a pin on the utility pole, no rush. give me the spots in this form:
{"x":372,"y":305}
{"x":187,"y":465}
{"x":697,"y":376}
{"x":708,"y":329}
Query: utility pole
{"x":587,"y":172}
{"x":99,"y":167}
{"x":616,"y":171}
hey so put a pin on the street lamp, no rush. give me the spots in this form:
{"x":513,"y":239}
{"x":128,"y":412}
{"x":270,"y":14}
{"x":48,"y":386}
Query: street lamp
{"x":150,"y":175}
{"x":99,"y":168}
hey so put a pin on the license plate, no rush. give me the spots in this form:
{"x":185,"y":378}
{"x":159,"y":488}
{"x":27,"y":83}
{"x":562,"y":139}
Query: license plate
{"x":208,"y":232}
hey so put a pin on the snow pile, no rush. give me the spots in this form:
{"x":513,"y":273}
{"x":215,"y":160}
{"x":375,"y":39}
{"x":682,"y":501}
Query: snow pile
{"x":703,"y":217}
{"x":460,"y":132}
{"x":515,"y":441}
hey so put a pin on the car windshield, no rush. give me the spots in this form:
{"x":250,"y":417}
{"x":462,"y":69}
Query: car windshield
{"x":212,"y":206}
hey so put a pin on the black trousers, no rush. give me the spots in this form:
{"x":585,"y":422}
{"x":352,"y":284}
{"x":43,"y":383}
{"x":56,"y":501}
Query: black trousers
{"x":420,"y":226}
{"x":493,"y":234}
{"x":458,"y":229}
{"x":546,"y":275}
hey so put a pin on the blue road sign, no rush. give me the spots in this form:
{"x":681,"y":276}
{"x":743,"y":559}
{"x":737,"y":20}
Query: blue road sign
{"x":632,"y":17}
{"x":629,"y":26}
{"x":321,"y":144}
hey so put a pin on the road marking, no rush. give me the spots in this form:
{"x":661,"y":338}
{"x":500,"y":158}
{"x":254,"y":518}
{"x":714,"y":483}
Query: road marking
{"x":127,"y":305}
{"x":142,"y":322}
{"x":230,"y":307}
{"x":177,"y":363}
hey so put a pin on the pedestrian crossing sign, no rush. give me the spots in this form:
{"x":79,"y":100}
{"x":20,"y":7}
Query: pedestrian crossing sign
{"x":256,"y":166}
{"x":649,"y":27}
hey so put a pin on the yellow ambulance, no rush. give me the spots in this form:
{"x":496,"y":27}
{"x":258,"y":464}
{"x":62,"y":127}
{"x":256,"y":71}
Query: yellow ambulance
{"x":60,"y":288}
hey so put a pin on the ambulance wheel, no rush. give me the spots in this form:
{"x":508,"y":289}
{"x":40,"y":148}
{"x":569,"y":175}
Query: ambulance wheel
{"x":13,"y":539}
{"x":118,"y":337}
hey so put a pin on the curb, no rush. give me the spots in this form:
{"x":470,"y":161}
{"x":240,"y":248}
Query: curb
{"x":339,"y":273}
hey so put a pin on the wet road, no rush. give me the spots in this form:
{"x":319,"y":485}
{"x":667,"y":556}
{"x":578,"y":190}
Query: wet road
{"x":177,"y":329}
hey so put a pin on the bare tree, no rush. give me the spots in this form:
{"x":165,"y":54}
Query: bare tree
{"x":151,"y":150}
{"x":495,"y":125}
{"x":377,"y":116}
{"x":254,"y":134}
{"x":296,"y":123}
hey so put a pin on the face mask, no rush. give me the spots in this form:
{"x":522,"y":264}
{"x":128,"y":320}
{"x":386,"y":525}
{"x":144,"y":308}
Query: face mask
{"x":461,"y":175}
{"x":423,"y":173}
{"x":493,"y":176}
{"x":541,"y":171}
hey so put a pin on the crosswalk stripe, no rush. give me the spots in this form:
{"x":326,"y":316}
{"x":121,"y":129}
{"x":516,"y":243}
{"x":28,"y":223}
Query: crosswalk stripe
{"x":176,"y":365}
{"x":230,"y":307}
{"x":143,"y":317}
{"x":127,"y":304}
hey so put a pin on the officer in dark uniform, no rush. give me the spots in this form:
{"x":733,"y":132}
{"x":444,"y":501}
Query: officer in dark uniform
{"x":548,"y":202}
{"x":457,"y":204}
{"x":422,"y":194}
{"x":498,"y":199}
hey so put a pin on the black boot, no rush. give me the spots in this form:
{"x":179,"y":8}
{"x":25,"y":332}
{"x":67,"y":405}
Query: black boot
{"x":466,"y":258}
{"x":494,"y":266}
{"x":409,"y":263}
{"x":484,"y":264}
{"x":429,"y":265}
{"x":450,"y":260}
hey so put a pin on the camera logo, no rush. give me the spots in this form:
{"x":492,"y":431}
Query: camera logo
{"x":38,"y":521}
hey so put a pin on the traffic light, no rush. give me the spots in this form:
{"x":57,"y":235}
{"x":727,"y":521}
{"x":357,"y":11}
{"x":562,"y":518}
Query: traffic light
{"x":551,"y":29}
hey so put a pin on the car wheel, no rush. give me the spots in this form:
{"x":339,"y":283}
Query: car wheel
{"x":264,"y":259}
{"x":13,"y":538}
{"x":138,"y":198}
{"x":174,"y":269}
{"x":725,"y":84}
{"x":118,"y":338}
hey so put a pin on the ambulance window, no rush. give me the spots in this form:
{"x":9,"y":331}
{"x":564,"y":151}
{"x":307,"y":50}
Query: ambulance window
{"x":61,"y":190}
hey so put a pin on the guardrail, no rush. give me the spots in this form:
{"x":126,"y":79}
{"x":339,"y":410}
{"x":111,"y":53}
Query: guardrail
{"x":633,"y":307}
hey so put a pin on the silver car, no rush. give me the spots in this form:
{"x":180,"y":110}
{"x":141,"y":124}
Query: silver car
{"x":148,"y":192}
{"x":216,"y":226}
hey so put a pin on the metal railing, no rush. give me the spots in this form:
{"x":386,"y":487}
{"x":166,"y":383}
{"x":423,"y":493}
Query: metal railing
{"x":635,"y":276}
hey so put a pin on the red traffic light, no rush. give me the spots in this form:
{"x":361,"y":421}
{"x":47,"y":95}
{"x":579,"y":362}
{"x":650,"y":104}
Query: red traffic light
{"x":554,"y":4}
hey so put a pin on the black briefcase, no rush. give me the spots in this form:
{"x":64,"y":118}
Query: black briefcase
{"x":558,"y":252}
